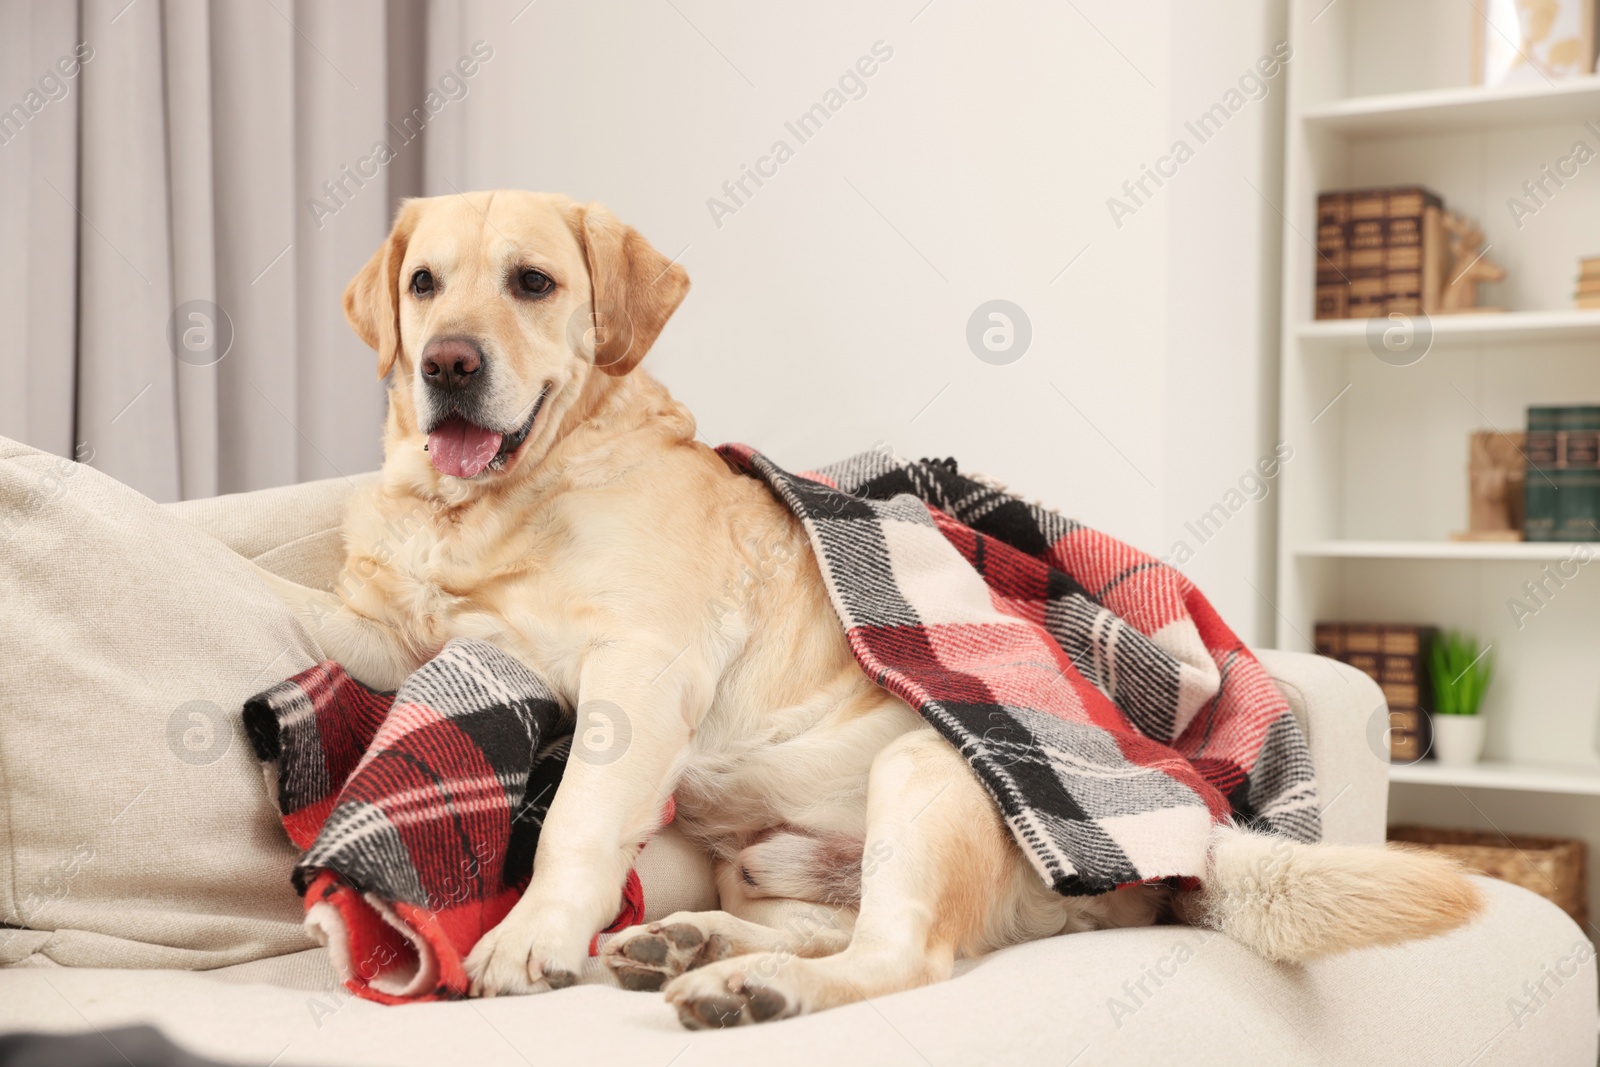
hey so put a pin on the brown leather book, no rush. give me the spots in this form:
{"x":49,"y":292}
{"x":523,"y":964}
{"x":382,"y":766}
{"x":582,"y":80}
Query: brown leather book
{"x":1368,"y":244}
{"x":1411,"y":248}
{"x":1379,"y":251}
{"x":1395,"y":656}
{"x":1333,"y":285}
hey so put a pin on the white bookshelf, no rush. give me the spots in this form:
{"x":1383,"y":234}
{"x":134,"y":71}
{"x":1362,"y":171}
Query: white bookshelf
{"x":1379,"y":95}
{"x":1491,"y":774}
{"x":1536,"y":331}
{"x":1483,"y":551}
{"x":1463,"y":107}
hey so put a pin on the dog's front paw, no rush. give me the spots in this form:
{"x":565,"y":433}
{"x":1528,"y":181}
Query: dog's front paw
{"x":521,"y":957}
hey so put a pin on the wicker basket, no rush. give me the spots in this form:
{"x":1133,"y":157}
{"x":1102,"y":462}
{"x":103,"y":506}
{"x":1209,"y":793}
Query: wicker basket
{"x":1553,"y":867}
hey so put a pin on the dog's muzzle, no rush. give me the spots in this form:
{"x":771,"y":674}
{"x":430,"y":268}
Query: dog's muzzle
{"x":463,"y":449}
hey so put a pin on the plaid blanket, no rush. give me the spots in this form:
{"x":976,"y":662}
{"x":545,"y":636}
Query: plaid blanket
{"x":418,"y":811}
{"x":1105,"y":706}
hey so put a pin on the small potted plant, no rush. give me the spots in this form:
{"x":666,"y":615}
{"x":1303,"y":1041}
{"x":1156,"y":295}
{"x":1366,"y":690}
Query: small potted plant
{"x":1460,"y":674}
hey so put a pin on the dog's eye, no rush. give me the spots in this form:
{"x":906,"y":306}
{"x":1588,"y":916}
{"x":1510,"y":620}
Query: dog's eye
{"x":535,"y":282}
{"x":422,"y":282}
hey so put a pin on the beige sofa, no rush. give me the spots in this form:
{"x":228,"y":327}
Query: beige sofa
{"x":144,"y":878}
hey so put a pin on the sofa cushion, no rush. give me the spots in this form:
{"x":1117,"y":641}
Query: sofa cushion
{"x":135,"y":828}
{"x":294,"y":531}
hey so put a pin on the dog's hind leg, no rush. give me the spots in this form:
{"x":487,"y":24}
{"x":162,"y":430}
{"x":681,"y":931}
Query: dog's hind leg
{"x":940,"y":873}
{"x":752,"y":919}
{"x":647,"y":957}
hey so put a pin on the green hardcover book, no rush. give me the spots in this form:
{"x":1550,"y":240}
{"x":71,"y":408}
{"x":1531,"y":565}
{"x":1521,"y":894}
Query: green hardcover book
{"x":1577,"y":504}
{"x":1539,"y":514}
{"x":1578,"y":478}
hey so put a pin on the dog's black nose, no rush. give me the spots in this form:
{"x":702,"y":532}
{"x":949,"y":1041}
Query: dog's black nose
{"x":451,"y":363}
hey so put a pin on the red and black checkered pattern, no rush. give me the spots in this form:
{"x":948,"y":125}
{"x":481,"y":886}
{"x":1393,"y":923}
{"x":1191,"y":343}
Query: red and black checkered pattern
{"x":419,"y":811}
{"x":1097,"y":695}
{"x":1099,"y":698}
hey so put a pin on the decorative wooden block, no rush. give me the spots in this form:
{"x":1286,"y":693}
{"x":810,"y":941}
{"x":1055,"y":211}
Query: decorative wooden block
{"x":1497,"y":471}
{"x":1468,"y":266}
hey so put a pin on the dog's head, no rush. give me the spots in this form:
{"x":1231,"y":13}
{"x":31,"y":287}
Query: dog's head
{"x":494,"y":313}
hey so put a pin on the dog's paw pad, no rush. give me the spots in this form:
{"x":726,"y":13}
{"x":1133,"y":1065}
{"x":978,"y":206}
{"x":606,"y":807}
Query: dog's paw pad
{"x":747,"y":1003}
{"x":766,"y":1003}
{"x":712,"y":1013}
{"x":640,"y":979}
{"x":683,"y":935}
{"x":557,"y":979}
{"x":649,"y":949}
{"x":716,"y":948}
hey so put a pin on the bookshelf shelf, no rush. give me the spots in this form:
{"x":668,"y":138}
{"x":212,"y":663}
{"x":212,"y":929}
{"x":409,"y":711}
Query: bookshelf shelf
{"x":1517,"y":777}
{"x":1491,"y":328}
{"x":1486,"y":551}
{"x":1464,"y":107}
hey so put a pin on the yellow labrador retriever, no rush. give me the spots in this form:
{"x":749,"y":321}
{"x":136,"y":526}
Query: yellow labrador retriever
{"x":572,"y":518}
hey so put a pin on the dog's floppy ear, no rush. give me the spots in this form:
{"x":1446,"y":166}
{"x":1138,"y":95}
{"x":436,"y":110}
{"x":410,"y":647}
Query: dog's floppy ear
{"x":372,"y":299}
{"x":636,"y":288}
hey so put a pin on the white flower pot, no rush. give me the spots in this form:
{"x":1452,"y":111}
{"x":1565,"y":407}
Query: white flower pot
{"x":1458,"y":739}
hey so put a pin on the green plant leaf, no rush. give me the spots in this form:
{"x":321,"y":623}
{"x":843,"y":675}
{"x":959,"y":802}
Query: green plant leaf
{"x":1460,"y":678}
{"x":1441,"y":681}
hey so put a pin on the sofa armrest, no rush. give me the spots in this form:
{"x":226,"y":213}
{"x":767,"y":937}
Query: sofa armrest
{"x":1338,"y":707}
{"x":294,"y":531}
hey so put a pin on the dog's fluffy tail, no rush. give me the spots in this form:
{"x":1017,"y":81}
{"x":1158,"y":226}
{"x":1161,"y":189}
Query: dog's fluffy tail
{"x":1292,"y":902}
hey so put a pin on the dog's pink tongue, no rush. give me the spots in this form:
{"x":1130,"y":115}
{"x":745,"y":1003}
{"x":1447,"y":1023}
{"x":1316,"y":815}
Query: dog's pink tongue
{"x":461,"y":449}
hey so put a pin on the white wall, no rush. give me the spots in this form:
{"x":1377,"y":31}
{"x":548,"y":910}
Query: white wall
{"x":830,"y":310}
{"x":1224,"y":242}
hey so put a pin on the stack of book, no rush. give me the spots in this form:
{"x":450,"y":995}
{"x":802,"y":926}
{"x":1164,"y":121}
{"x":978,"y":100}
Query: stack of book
{"x":1588,"y":294}
{"x":1395,"y":657}
{"x":1379,"y":252}
{"x":1562,"y":493}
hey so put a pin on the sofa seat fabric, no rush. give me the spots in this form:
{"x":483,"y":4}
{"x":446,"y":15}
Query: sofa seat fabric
{"x":1153,"y":995}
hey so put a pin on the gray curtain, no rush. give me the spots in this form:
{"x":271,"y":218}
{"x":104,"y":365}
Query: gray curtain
{"x":185,"y":189}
